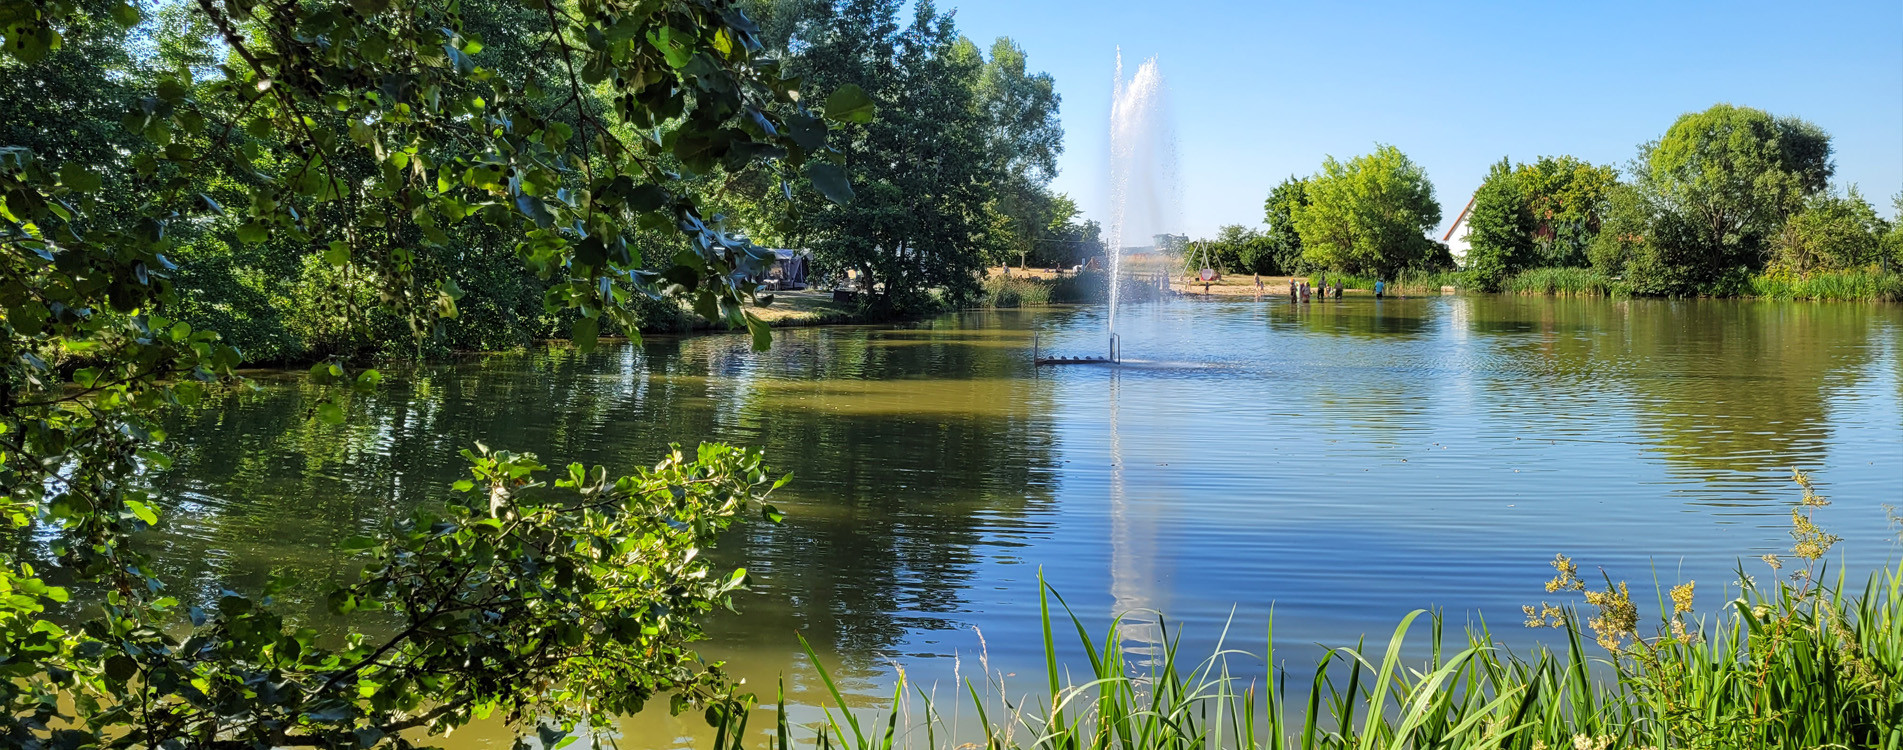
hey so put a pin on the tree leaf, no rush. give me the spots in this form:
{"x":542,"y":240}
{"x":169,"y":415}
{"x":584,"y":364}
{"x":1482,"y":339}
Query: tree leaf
{"x":585,"y":333}
{"x":849,"y":103}
{"x":830,"y":180}
{"x":762,"y":334}
{"x":75,"y":175}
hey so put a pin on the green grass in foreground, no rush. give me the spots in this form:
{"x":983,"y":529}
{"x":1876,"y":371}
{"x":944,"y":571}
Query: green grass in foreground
{"x":1800,"y":663}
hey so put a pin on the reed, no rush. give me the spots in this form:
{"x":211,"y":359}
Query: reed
{"x":1804,"y":662}
{"x":1862,"y":284}
{"x":1565,"y":282}
{"x":1014,"y":291}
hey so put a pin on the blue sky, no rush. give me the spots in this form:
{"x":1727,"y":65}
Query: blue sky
{"x":1262,"y":90}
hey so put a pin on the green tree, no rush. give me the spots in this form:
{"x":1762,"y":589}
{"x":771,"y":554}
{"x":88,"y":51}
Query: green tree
{"x":1567,"y":200}
{"x":1368,"y":215}
{"x":1733,"y":174}
{"x":1830,"y":233}
{"x":1023,"y":141}
{"x":1500,"y":229}
{"x":353,"y":133}
{"x":921,"y":169}
{"x":1283,"y":239}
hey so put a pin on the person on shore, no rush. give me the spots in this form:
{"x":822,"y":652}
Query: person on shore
{"x":1380,"y":288}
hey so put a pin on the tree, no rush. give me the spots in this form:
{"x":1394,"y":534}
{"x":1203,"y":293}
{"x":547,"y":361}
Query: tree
{"x":361,"y":131}
{"x":1500,"y":229}
{"x":1066,"y":241}
{"x":1023,"y":141}
{"x":1567,"y":200}
{"x":1284,"y":240}
{"x":1736,"y":173}
{"x":1830,"y":233}
{"x":1369,"y":215}
{"x":921,"y":169}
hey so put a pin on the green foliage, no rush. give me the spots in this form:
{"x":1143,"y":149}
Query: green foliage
{"x":1864,"y":285}
{"x":1015,"y":291}
{"x":339,"y":168}
{"x":1564,"y":281}
{"x":1284,"y":240}
{"x":1542,"y":214}
{"x":1236,"y":249}
{"x":1727,"y":179}
{"x":950,"y":173}
{"x":1567,"y":199}
{"x":1369,"y":215}
{"x":1830,"y":233}
{"x":1500,"y":229}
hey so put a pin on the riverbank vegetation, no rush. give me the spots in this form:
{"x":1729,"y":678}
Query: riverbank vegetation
{"x":1795,"y":660}
{"x":1730,"y":202}
{"x":341,"y":176}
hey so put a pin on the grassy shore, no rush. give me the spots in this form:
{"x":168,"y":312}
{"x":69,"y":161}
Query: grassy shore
{"x":1795,"y":661}
{"x":1856,"y":285}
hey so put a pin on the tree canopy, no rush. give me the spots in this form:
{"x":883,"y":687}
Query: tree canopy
{"x":1709,"y":198}
{"x":1370,"y":214}
{"x":1541,"y":214}
{"x":362,"y":142}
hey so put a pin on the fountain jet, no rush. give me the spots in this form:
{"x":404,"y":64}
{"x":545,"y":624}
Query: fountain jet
{"x":1143,"y":187}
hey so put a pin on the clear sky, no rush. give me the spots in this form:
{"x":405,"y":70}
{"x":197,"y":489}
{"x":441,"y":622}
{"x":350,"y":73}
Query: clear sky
{"x":1263,"y":90}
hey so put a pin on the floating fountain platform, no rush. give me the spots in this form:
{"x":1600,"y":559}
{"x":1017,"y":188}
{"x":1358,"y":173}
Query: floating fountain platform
{"x":1040,"y":360}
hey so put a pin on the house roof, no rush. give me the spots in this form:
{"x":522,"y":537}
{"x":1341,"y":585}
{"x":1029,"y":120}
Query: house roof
{"x":1461,"y":219}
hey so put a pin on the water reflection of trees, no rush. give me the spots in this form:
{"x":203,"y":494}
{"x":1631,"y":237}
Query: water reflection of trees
{"x":1359,"y":318}
{"x":1722,"y":388}
{"x":901,"y":471}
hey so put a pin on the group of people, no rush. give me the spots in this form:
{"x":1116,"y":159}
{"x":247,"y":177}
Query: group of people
{"x":1299,"y":291}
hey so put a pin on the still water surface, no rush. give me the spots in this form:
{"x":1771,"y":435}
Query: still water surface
{"x":1339,"y":463}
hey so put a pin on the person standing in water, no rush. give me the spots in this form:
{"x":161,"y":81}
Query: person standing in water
{"x":1337,"y":290}
{"x":1379,"y":288}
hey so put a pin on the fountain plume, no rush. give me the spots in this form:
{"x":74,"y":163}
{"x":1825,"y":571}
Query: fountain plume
{"x":1143,"y":187}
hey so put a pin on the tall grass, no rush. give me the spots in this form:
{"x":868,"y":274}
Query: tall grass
{"x":1868,"y":284}
{"x":1565,"y":282}
{"x":1014,"y":291}
{"x":1804,"y":663}
{"x":1409,"y":281}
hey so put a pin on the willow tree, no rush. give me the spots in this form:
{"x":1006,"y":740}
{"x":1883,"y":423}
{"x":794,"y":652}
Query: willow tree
{"x":362,"y":130}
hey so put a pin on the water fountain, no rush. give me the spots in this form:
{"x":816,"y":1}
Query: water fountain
{"x":1143,"y":187}
{"x":1143,"y":183}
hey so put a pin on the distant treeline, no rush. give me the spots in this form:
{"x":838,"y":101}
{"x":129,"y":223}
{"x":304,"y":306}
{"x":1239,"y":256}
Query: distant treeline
{"x":1731,"y":201}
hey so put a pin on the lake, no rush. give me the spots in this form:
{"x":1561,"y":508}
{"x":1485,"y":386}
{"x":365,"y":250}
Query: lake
{"x":1338,"y":464}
